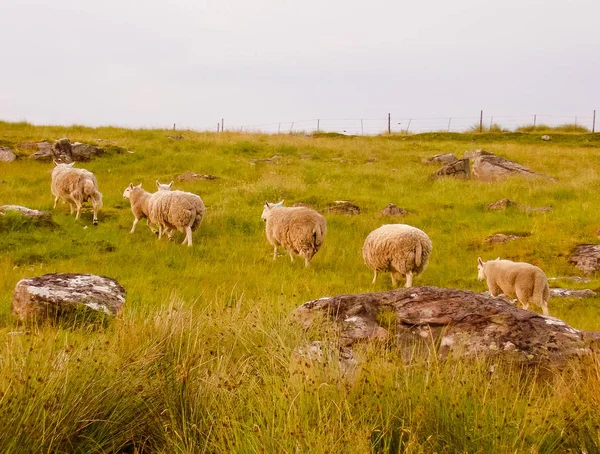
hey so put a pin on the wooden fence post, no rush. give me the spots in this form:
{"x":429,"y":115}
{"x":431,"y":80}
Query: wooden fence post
{"x":481,"y":121}
{"x":389,"y":123}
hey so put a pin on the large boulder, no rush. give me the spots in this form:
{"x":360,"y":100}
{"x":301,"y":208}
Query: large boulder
{"x":53,"y":295}
{"x":460,"y":322}
{"x":85,"y":151}
{"x":489,"y":167}
{"x":6,"y":155}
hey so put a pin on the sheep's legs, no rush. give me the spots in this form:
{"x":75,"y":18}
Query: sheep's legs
{"x":153,"y":230}
{"x":274,"y":252}
{"x":545,"y":307}
{"x":374,"y":277}
{"x":409,"y":278}
{"x":95,"y":218}
{"x":291,"y":255}
{"x":78,"y":210}
{"x":188,"y":236}
{"x":55,"y":201}
{"x":135,"y":221}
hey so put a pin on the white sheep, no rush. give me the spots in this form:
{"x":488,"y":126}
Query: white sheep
{"x":522,"y":280}
{"x":138,"y":198}
{"x":163,"y":187}
{"x":398,"y":248}
{"x":299,"y":230}
{"x":179,"y":210}
{"x":75,"y":186}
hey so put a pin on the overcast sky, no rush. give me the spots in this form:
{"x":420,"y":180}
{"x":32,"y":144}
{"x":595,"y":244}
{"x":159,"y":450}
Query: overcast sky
{"x":152,"y":64}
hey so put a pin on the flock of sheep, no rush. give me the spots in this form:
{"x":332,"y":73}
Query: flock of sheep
{"x":400,"y":249}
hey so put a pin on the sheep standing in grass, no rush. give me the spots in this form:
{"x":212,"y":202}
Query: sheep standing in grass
{"x":515,"y":279}
{"x":179,"y":210}
{"x":299,"y":230}
{"x":75,"y":186}
{"x":138,"y":198}
{"x":399,"y":248}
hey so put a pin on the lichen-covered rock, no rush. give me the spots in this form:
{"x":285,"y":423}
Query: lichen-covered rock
{"x":84,"y":151}
{"x":6,"y":155}
{"x":43,"y":153}
{"x":460,"y":322}
{"x":53,"y":295}
{"x":586,"y":257}
{"x":444,"y":158}
{"x":393,"y":210}
{"x":501,"y":238}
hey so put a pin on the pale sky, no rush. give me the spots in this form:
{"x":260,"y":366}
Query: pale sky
{"x":152,"y":64}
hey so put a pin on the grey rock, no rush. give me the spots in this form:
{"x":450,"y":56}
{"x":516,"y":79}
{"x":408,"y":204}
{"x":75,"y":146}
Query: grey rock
{"x":501,"y":238}
{"x":191,"y":176}
{"x":570,"y":293}
{"x":44,"y":152}
{"x":444,"y":158}
{"x":52,"y":295}
{"x":343,"y":207}
{"x":504,"y":204}
{"x":33,"y":214}
{"x":490,"y":167}
{"x":459,"y":169}
{"x":546,"y":137}
{"x":393,"y":210}
{"x":586,"y":257}
{"x":6,"y":155}
{"x":458,"y":322}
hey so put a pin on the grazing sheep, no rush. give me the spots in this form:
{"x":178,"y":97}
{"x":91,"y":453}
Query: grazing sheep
{"x":515,"y":279}
{"x":139,"y":204}
{"x":398,"y":248}
{"x":179,"y":210}
{"x":75,"y":186}
{"x":299,"y":230}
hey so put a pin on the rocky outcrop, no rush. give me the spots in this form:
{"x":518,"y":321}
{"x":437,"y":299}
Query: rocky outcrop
{"x":43,"y":216}
{"x":343,"y":207}
{"x":460,"y":322}
{"x":459,"y":169}
{"x":474,"y":154}
{"x":65,"y":151}
{"x":54,"y":295}
{"x":571,"y":293}
{"x":191,"y":176}
{"x":6,"y":155}
{"x":504,"y":204}
{"x":393,"y":210}
{"x":489,"y":167}
{"x":586,"y":257}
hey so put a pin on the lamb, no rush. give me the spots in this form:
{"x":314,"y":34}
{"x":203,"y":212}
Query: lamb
{"x":299,"y":230}
{"x":138,"y":198}
{"x":515,"y":279}
{"x":179,"y":210}
{"x":75,"y":186}
{"x":398,"y":248}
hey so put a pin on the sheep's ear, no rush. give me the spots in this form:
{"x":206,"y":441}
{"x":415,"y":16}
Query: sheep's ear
{"x":279,"y":204}
{"x":130,"y":185}
{"x":139,"y":185}
{"x":157,"y":184}
{"x":71,"y":165}
{"x":498,"y":259}
{"x":480,"y":261}
{"x":170,"y":184}
{"x":55,"y":163}
{"x":267,"y":204}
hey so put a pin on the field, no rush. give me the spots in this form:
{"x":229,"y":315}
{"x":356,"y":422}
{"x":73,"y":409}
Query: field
{"x":201,"y":358}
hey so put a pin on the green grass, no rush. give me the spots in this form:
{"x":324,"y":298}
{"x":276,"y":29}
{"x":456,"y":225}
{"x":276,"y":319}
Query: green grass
{"x":202,"y":358}
{"x":568,"y":128}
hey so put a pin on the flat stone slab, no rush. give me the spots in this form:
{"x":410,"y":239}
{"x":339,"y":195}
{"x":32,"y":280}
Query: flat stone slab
{"x":570,"y":293}
{"x":586,"y":257}
{"x":52,"y":295}
{"x":33,"y":214}
{"x":465,"y":323}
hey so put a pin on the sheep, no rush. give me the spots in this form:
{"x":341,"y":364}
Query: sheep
{"x":515,"y":279}
{"x":299,"y":230}
{"x":139,"y":204}
{"x":75,"y":186}
{"x":163,"y":187}
{"x":179,"y":210}
{"x":398,"y":248}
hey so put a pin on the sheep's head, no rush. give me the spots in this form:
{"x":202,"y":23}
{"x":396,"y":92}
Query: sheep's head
{"x":268,"y":207}
{"x":163,"y":187}
{"x":129,"y":189}
{"x":480,"y":270}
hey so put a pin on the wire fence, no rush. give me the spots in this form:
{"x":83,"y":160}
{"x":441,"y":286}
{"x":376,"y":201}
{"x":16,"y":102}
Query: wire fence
{"x":404,"y":125}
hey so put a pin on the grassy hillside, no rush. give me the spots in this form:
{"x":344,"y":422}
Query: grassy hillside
{"x":200,"y":359}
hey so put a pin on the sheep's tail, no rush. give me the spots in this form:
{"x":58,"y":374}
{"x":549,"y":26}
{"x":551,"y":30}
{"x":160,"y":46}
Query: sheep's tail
{"x":418,"y":254}
{"x":317,"y":237}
